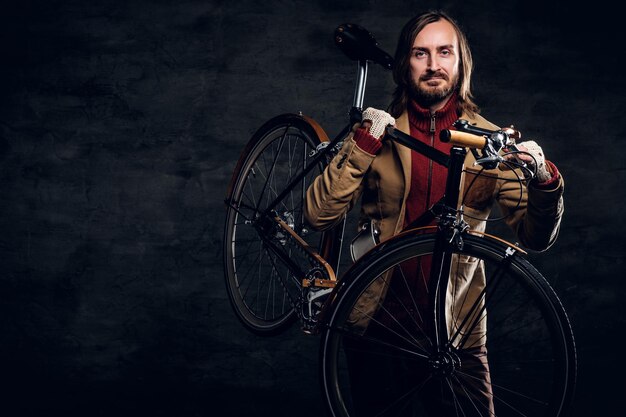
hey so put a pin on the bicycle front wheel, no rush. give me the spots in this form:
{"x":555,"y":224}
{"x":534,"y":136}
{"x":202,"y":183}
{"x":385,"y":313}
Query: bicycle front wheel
{"x":510,"y":351}
{"x":262,"y":289}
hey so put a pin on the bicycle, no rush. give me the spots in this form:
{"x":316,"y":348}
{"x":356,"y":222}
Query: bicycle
{"x":279,"y":271}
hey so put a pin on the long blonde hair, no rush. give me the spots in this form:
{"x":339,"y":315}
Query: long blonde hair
{"x":401,"y":70}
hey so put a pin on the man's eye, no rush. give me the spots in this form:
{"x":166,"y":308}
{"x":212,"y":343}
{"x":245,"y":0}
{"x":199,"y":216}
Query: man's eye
{"x":419,"y":54}
{"x":445,"y":52}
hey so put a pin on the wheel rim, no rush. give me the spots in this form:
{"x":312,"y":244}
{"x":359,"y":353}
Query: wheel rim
{"x":261,"y":287}
{"x":528,"y":347}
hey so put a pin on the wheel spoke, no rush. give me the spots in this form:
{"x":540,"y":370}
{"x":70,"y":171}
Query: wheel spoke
{"x":261,"y":286}
{"x":516,"y":359}
{"x":393,"y":349}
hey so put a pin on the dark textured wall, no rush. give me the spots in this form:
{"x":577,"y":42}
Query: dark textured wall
{"x":120,"y":124}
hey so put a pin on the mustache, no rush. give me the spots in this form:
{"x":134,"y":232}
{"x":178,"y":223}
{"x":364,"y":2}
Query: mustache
{"x":434,"y":74}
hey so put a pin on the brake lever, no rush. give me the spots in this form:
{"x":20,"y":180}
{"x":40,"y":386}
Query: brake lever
{"x":504,"y":138}
{"x":513,"y":149}
{"x":491,"y":161}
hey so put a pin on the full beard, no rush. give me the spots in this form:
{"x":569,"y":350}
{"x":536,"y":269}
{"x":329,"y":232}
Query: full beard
{"x":427,"y":96}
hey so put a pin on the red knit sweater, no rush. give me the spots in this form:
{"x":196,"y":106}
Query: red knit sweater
{"x":428,"y":179}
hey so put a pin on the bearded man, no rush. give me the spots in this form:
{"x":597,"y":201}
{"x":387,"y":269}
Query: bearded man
{"x":432,"y":71}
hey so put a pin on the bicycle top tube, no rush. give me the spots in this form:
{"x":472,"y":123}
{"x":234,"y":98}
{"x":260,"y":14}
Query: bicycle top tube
{"x":464,"y":137}
{"x":410,"y":142}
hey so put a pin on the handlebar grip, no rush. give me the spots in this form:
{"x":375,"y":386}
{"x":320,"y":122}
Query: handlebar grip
{"x":462,"y":139}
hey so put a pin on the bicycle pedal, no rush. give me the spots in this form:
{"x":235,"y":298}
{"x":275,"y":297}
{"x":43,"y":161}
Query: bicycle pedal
{"x":313,"y":300}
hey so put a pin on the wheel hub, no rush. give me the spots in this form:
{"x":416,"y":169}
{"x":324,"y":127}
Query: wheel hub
{"x":445,"y":363}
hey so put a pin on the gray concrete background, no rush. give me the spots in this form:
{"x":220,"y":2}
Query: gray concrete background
{"x":121,"y":122}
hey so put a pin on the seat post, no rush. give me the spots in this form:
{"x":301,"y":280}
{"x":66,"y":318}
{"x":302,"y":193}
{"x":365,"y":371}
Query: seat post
{"x":359,"y":91}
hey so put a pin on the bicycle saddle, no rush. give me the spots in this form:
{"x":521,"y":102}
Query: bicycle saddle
{"x":359,"y":45}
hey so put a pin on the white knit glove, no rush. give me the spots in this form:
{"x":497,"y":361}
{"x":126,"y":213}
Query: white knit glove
{"x":379,"y":119}
{"x":535,"y":150}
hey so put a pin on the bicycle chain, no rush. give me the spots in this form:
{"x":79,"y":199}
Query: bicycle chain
{"x":319,"y":279}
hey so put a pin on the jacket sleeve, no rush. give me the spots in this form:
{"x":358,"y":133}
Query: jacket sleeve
{"x":335,"y":191}
{"x":536,"y":216}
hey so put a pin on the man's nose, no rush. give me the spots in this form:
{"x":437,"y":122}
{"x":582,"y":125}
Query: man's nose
{"x":433,"y":63}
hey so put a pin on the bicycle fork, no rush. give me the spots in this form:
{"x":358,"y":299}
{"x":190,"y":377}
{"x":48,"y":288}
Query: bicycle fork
{"x":449,"y":236}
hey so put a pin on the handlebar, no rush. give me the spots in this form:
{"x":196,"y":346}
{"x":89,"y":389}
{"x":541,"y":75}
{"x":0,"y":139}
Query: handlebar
{"x":458,"y":138}
{"x":488,"y":142}
{"x":484,"y":144}
{"x":475,"y":137}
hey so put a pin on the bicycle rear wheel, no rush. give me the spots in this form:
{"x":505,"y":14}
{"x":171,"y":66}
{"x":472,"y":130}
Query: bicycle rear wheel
{"x":262,"y":289}
{"x":514,"y":354}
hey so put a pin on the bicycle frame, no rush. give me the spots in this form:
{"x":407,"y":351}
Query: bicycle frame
{"x":416,"y":318}
{"x":449,"y":226}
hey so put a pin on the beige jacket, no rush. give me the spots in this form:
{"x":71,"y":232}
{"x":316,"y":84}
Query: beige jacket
{"x":381,"y":183}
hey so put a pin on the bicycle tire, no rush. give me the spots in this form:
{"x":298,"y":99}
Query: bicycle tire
{"x":260,"y":287}
{"x":531,"y":354}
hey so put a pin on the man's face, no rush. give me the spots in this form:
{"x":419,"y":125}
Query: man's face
{"x":434,"y":64}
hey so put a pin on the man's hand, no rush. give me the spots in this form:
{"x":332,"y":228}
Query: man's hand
{"x":529,"y":148}
{"x":377,"y":121}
